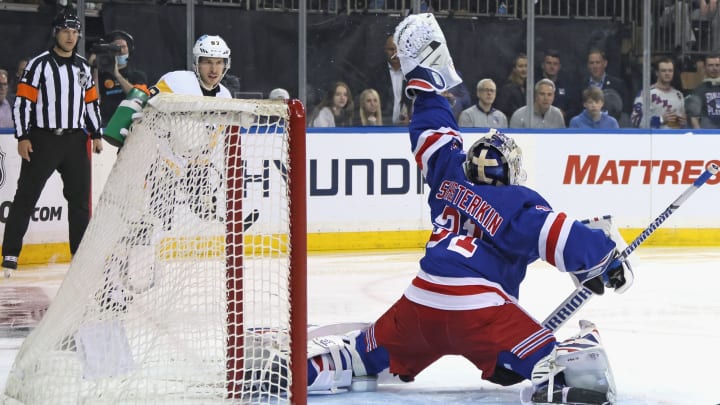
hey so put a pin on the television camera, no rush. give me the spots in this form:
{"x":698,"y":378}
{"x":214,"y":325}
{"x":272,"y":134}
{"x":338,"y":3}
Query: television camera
{"x":105,"y":55}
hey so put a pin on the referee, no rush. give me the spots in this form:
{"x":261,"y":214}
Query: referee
{"x":55,"y":109}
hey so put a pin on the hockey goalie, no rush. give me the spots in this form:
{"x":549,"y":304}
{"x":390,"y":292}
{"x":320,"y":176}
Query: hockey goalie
{"x":487,"y":228}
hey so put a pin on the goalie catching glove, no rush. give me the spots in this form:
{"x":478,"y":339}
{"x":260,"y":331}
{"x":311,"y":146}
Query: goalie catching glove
{"x":424,"y":56}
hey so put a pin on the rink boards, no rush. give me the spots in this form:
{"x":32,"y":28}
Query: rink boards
{"x":365,"y":191}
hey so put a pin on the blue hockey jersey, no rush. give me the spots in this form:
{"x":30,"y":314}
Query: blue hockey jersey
{"x":485,"y":236}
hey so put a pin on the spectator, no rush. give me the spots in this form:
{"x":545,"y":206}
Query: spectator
{"x":335,"y":109}
{"x":279,"y":94}
{"x":370,"y":112}
{"x":388,"y":80}
{"x":545,"y":115}
{"x":114,"y":73}
{"x":616,"y":94}
{"x":512,"y":94}
{"x":483,"y":114}
{"x":5,"y":110}
{"x":709,"y":11}
{"x":274,"y":123}
{"x":703,"y":104}
{"x":15,"y":79}
{"x":566,"y":94}
{"x":232,"y":83}
{"x":667,"y":104}
{"x":56,"y":104}
{"x":459,"y":98}
{"x":593,"y":117}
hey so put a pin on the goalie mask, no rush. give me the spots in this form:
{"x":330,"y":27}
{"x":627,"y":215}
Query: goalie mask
{"x":494,"y":159}
{"x":424,"y":56}
{"x":210,"y":46}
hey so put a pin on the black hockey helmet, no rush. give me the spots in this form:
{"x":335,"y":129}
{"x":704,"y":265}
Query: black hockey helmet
{"x":66,"y":19}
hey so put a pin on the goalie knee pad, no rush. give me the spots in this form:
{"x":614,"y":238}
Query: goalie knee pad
{"x":424,"y":56}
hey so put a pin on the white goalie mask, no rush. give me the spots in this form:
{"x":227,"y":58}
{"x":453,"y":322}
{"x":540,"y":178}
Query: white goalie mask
{"x":495,"y":159}
{"x":210,"y":46}
{"x":421,"y":42}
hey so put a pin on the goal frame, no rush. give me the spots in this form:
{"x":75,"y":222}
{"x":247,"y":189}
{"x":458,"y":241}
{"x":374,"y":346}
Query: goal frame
{"x":298,"y":258}
{"x":172,"y":296}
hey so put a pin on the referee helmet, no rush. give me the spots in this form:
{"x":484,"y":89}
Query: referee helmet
{"x":66,"y":20}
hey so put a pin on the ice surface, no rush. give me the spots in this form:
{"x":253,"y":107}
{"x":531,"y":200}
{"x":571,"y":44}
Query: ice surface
{"x":662,"y":335}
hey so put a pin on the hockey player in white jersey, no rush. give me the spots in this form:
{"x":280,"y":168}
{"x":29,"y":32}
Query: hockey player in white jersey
{"x":487,"y":228}
{"x":211,"y":61}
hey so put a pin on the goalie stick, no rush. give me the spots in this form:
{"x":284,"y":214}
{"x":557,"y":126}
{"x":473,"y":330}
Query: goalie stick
{"x":581,"y":295}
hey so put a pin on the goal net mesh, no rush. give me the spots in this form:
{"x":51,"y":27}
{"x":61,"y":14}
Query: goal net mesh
{"x":180,"y":291}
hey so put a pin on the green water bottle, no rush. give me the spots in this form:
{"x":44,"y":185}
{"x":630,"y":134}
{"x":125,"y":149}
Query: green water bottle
{"x":136,"y":99}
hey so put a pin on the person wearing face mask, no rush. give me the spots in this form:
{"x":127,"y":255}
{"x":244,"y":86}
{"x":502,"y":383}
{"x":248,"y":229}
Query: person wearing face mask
{"x":114,"y":85}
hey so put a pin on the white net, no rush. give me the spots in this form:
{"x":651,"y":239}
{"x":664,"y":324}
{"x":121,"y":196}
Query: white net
{"x":180,"y":291}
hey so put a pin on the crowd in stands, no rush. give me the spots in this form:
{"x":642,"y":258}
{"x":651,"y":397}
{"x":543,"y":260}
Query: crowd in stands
{"x":596,"y":100}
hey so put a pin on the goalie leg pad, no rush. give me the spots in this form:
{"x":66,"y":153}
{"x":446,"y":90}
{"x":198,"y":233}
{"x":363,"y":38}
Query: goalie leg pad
{"x":332,"y":363}
{"x":578,"y":368}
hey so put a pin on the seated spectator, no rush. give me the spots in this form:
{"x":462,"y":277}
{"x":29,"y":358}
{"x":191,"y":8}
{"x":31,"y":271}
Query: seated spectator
{"x":279,"y":94}
{"x":701,"y":105}
{"x":567,"y":95}
{"x":616,"y":94}
{"x":483,"y":114}
{"x":667,"y":104}
{"x":370,"y":112}
{"x":335,"y":109}
{"x":459,"y":97}
{"x":710,"y":11}
{"x":5,"y":107}
{"x":593,"y":116}
{"x":15,"y":79}
{"x":512,"y":94}
{"x":545,"y":115}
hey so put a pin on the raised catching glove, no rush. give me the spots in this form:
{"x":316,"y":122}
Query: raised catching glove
{"x":424,"y":56}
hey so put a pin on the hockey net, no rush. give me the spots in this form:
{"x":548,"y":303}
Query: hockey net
{"x":189,"y":284}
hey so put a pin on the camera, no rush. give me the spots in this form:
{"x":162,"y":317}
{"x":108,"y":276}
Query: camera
{"x":105,"y":55}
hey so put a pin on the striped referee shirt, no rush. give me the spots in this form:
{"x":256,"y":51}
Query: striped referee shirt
{"x":56,"y":93}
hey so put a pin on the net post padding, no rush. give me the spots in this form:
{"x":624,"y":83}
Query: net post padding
{"x":298,"y":260}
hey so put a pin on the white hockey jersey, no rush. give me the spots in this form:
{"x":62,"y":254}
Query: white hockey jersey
{"x":186,"y":82}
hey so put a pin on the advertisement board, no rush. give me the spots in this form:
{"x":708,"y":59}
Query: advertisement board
{"x":365,"y":191}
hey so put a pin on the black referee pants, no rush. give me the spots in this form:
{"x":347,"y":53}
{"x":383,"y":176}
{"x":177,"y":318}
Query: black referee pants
{"x":66,"y":153}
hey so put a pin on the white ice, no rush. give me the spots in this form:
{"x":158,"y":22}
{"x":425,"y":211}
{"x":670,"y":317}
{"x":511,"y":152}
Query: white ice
{"x":662,"y":336}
